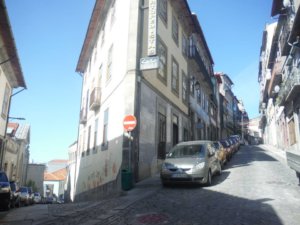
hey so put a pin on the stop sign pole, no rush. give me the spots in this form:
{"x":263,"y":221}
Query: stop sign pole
{"x":129,"y":123}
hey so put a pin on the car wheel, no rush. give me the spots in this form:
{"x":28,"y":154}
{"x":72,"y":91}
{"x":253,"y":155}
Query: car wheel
{"x":208,"y":182}
{"x":7,"y":207}
{"x":164,"y":184}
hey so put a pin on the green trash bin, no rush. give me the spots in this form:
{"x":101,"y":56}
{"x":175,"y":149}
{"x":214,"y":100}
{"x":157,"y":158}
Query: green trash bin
{"x":126,"y":177}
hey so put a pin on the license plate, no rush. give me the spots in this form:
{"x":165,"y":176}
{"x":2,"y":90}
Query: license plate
{"x":179,"y":175}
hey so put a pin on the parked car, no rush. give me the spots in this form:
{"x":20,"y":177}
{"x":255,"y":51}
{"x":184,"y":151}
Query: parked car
{"x":24,"y":196}
{"x":15,"y":200}
{"x":221,"y":152}
{"x":5,"y":191}
{"x":31,"y":195}
{"x":229,"y":150}
{"x":235,"y":142}
{"x":49,"y":200}
{"x":37,"y":197}
{"x":193,"y":161}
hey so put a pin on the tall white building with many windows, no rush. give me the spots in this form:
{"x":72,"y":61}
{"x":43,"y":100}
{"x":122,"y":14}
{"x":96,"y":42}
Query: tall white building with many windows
{"x":135,"y":61}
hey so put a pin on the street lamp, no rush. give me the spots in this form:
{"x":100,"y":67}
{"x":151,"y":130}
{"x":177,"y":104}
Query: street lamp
{"x":16,"y":118}
{"x":197,"y":85}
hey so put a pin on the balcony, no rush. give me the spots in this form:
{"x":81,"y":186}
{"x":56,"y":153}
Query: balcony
{"x":290,"y":88}
{"x":83,"y":116}
{"x":286,"y":23}
{"x":194,"y":54}
{"x":95,"y":99}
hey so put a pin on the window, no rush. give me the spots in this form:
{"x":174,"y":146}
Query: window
{"x":185,"y":45}
{"x":198,"y":92}
{"x":89,"y":141}
{"x":100,"y":76}
{"x":184,"y":88}
{"x":292,"y":135}
{"x":175,"y":130}
{"x":113,"y":15}
{"x":109,"y":64}
{"x":95,"y":136}
{"x":175,"y":76}
{"x":185,"y":134}
{"x":84,"y":147}
{"x":105,"y":130}
{"x":5,"y":102}
{"x":162,"y":129}
{"x":162,"y":54}
{"x":163,"y":11}
{"x":102,"y":37}
{"x":192,"y":86}
{"x":175,"y":29}
{"x":87,"y":101}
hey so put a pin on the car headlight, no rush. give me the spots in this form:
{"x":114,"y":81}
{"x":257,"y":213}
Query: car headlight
{"x":199,"y":166}
{"x":4,"y":190}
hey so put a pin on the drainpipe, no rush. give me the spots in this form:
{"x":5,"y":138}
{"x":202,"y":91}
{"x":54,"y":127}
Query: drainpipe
{"x":137,"y":109}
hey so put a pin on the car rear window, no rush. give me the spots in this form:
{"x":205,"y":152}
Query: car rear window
{"x":224,"y":143}
{"x":23,"y":189}
{"x":187,"y":151}
{"x":3,"y":177}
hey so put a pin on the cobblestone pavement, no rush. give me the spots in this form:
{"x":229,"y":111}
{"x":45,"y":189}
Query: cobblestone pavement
{"x":255,"y":188}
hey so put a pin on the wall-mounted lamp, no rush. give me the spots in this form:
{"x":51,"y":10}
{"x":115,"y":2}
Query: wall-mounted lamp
{"x":276,"y":89}
{"x":197,"y":85}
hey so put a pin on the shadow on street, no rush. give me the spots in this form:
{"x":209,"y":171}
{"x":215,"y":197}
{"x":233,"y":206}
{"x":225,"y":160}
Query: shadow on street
{"x":243,"y":158}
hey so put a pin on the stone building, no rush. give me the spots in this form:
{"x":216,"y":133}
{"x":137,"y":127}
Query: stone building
{"x":140,"y":58}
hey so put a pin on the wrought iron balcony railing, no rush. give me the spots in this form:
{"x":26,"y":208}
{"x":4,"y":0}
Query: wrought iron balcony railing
{"x":290,"y":88}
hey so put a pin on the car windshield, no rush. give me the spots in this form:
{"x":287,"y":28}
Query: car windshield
{"x":187,"y":151}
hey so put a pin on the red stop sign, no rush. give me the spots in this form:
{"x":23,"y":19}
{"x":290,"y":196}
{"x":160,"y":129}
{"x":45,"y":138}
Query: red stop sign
{"x":129,"y":122}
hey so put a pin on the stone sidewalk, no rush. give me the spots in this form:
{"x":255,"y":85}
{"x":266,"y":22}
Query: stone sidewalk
{"x":110,"y":208}
{"x":279,"y":152}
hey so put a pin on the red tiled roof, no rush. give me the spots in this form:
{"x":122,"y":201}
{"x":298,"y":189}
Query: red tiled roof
{"x":58,"y":161}
{"x":56,"y":175}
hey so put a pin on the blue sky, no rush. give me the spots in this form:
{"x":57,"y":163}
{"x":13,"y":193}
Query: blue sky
{"x":49,"y":36}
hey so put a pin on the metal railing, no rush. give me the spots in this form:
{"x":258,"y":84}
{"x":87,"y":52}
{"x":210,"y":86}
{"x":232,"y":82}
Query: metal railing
{"x":288,"y":87}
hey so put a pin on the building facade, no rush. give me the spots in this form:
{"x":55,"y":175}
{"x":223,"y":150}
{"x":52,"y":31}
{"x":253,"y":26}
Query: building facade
{"x":16,"y":152}
{"x":35,"y":173}
{"x":147,"y":73}
{"x":227,"y":103}
{"x":280,"y":100}
{"x":11,"y":75}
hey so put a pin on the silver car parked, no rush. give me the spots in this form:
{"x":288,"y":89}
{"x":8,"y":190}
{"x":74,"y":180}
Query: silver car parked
{"x":193,"y":161}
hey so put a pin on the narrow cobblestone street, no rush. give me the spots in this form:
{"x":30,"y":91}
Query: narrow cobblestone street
{"x":255,"y":187}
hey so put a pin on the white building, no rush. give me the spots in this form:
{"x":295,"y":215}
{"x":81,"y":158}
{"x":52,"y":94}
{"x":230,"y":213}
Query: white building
{"x":11,"y":76}
{"x":134,"y":60}
{"x":16,"y":154}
